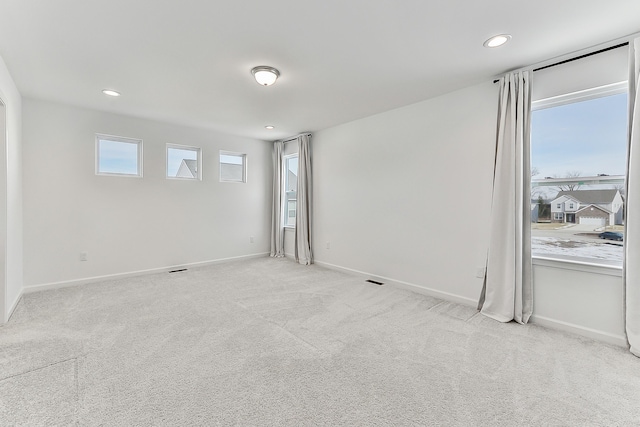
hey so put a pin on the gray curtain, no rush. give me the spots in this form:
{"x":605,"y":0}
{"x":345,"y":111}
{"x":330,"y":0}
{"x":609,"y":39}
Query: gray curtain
{"x":507,"y":293}
{"x":631,"y":273}
{"x":277,"y":229}
{"x":303,"y":252}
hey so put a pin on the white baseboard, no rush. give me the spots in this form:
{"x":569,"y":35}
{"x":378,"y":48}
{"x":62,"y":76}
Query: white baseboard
{"x":404,"y":285}
{"x":13,"y":306}
{"x":595,"y":334}
{"x":83,"y":281}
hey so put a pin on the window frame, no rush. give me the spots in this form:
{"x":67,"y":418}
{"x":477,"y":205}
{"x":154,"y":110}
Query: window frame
{"x":198,"y":151}
{"x":285,"y":201}
{"x":123,"y":139}
{"x":244,"y":166}
{"x":556,"y":101}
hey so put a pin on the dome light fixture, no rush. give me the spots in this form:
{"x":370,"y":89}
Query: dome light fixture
{"x":498,"y":40}
{"x":110,"y":92}
{"x":269,"y":127}
{"x":265,"y":75}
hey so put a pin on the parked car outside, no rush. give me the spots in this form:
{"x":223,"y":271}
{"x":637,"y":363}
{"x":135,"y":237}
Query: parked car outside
{"x":611,"y":235}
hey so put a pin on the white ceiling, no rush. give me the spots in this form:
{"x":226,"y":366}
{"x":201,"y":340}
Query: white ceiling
{"x":189,"y":61}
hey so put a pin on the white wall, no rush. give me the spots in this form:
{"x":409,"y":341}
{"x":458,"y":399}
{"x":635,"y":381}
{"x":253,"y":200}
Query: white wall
{"x":126,"y":224}
{"x":405,"y":195}
{"x":12,"y":183}
{"x":583,"y":299}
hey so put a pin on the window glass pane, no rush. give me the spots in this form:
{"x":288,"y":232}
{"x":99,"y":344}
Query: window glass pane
{"x":182,"y":163}
{"x":233,"y":167}
{"x":116,"y":156}
{"x":578,"y":159}
{"x":291,"y":187}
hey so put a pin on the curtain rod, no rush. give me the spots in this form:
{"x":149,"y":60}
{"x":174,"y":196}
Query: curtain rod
{"x":606,"y":49}
{"x":582,"y":56}
{"x":295,"y":138}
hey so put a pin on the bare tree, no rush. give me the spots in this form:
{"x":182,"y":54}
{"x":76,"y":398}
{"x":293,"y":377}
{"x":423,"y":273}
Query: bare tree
{"x":572,"y":186}
{"x":535,"y":191}
{"x":534,"y":171}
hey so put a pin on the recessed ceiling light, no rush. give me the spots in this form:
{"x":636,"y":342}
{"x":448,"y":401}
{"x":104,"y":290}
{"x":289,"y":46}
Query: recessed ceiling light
{"x":265,"y":75}
{"x":498,"y":40}
{"x":269,"y":127}
{"x":110,"y":92}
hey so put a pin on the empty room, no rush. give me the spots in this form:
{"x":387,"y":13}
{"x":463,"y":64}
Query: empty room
{"x":301,"y":213}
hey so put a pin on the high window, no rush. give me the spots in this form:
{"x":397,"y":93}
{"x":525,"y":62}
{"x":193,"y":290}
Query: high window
{"x":119,"y":156}
{"x":290,"y":189}
{"x":183,"y":162}
{"x":233,"y":167}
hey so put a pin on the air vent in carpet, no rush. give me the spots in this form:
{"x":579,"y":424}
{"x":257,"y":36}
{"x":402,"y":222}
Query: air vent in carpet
{"x":375,"y":283}
{"x":177,"y":271}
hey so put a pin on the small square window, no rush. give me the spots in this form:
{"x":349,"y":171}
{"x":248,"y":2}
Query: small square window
{"x":183,"y":162}
{"x":233,"y":167}
{"x":117,"y":155}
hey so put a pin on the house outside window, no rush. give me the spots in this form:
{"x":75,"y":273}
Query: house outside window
{"x":233,"y":167}
{"x":184,"y":162}
{"x":290,"y":189}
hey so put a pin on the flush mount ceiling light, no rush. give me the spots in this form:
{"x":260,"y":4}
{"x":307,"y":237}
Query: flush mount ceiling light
{"x":498,"y":40}
{"x":269,"y":127}
{"x":110,"y":92}
{"x":264,"y":75}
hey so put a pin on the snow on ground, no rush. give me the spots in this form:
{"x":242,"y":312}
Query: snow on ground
{"x":545,"y":246}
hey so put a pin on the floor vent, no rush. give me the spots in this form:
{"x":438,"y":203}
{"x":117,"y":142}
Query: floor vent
{"x":375,"y":283}
{"x":177,"y":271}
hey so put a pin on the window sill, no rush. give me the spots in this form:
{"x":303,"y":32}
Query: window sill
{"x":289,"y":228}
{"x":577,"y":264}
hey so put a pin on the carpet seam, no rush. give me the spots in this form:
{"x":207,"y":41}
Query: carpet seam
{"x":39,"y":368}
{"x":324,"y":352}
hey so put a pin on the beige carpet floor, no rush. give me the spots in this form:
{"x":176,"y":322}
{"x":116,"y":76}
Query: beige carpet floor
{"x":267,"y":342}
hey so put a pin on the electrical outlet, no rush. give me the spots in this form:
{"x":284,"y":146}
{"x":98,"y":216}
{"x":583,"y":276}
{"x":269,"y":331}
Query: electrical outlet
{"x":83,"y":256}
{"x":251,"y":239}
{"x":480,"y":272}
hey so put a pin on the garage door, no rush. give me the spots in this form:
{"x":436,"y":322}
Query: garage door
{"x":592,"y":221}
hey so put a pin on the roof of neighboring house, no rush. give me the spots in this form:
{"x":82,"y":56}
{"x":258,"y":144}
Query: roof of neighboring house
{"x":192,"y":165}
{"x":590,"y":196}
{"x":595,"y":207}
{"x":188,"y":167}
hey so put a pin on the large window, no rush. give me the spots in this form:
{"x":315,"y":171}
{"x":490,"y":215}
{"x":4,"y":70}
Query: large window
{"x":233,"y":167}
{"x":117,"y":155}
{"x":578,"y":160}
{"x":290,"y":189}
{"x":183,"y":162}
